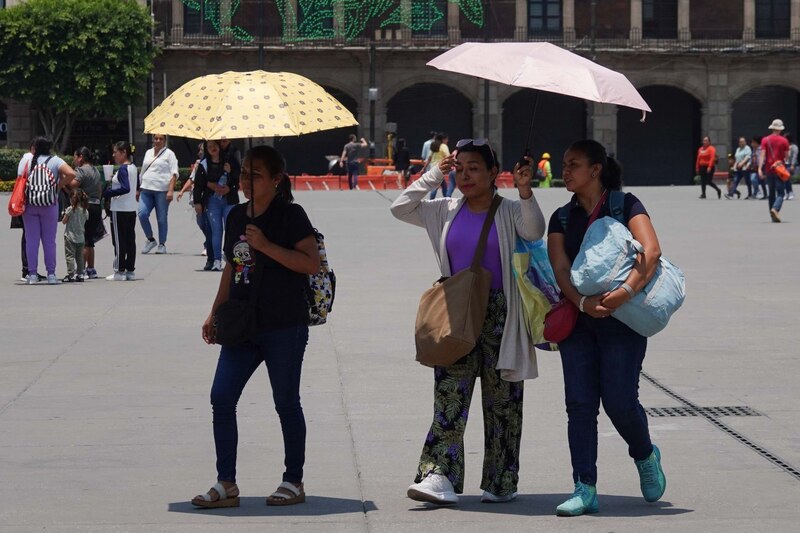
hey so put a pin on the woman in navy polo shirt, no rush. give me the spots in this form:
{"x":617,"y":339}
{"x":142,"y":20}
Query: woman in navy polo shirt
{"x":602,"y":357}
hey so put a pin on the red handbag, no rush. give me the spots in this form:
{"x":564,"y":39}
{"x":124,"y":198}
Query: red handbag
{"x":16,"y":204}
{"x":560,"y":321}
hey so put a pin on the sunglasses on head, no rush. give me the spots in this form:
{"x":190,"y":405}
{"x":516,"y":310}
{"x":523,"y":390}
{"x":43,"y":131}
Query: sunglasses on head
{"x":474,"y":142}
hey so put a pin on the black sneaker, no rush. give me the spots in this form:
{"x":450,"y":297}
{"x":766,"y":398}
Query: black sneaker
{"x":68,"y":279}
{"x":209,"y":266}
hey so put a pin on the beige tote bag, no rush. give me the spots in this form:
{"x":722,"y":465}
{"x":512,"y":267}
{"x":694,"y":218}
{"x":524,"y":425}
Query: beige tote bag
{"x":452,"y":312}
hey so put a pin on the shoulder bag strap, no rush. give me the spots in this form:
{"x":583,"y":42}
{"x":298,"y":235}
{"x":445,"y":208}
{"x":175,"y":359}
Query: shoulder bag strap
{"x":487,"y":224}
{"x":144,"y":170}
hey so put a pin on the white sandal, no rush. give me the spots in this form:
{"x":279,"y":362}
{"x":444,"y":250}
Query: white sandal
{"x":207,"y":501}
{"x":297,"y":495}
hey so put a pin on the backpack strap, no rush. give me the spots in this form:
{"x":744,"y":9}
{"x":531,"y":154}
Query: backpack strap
{"x":563,"y":216}
{"x":616,"y":205}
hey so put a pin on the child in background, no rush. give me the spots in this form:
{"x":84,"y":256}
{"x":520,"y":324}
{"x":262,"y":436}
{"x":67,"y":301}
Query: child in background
{"x":75,"y":218}
{"x":729,"y":190}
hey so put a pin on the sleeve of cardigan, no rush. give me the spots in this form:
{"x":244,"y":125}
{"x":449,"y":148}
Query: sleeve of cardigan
{"x":528,"y":219}
{"x":411,"y":206}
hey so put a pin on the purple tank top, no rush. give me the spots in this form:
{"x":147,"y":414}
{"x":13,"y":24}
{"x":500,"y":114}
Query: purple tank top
{"x":462,"y":240}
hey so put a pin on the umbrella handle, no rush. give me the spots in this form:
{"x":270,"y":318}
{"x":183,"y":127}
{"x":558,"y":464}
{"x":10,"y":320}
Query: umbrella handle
{"x":522,"y":161}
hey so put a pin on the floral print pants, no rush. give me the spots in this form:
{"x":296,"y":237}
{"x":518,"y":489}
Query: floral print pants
{"x":443,"y":452}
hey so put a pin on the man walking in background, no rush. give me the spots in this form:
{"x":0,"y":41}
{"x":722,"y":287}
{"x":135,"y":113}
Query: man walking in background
{"x":350,"y":156}
{"x":773,"y":150}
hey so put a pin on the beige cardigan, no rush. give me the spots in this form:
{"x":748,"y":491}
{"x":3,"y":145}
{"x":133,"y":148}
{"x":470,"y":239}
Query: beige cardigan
{"x":514,"y":217}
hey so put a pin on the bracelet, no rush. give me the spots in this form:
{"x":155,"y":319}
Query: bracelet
{"x":580,"y":305}
{"x":628,"y":289}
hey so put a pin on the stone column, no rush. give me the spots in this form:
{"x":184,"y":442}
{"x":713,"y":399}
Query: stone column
{"x":684,"y":27}
{"x":22,"y":122}
{"x":405,"y":29}
{"x":717,"y":112}
{"x":636,"y":22}
{"x":339,"y":27}
{"x":603,"y":125}
{"x":521,"y":31}
{"x":749,"y":31}
{"x":453,"y":22}
{"x":568,"y":20}
{"x":794,"y":25}
{"x":495,"y":133}
{"x":177,"y":21}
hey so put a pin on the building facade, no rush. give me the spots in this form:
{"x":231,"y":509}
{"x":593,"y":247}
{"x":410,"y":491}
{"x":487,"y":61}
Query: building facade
{"x":723,"y":69}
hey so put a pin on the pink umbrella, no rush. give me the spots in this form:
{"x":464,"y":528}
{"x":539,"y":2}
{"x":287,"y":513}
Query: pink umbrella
{"x":542,"y":66}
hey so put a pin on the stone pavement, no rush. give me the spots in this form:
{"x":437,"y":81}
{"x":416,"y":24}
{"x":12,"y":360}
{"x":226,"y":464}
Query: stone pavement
{"x":105,"y":422}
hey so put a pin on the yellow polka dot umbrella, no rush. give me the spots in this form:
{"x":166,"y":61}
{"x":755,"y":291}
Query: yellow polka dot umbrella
{"x":236,"y":105}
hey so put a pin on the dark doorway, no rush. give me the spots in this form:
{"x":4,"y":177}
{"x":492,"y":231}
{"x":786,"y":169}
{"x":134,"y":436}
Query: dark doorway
{"x":560,"y":121}
{"x":427,"y":107}
{"x":661,"y":150}
{"x":306,"y":154}
{"x":754,"y":111}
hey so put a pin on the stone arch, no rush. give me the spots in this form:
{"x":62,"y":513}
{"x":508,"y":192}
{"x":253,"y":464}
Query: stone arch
{"x":306,"y":153}
{"x":769,"y":79}
{"x":563,"y":116}
{"x":688,"y":85}
{"x":418,"y":109}
{"x":463,"y":84}
{"x":753,"y":110}
{"x":661,"y":150}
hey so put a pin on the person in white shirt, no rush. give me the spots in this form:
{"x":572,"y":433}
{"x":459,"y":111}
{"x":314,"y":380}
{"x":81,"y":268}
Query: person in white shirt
{"x":159,"y":173}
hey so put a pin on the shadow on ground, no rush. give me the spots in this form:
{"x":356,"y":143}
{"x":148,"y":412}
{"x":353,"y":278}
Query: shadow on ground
{"x":255,"y":506}
{"x":545,"y":505}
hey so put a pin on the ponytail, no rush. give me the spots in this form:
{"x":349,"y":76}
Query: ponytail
{"x":611,"y":177}
{"x":284,"y":189}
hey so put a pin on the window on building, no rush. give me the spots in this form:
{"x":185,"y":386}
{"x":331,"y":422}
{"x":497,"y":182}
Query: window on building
{"x":430,"y":22}
{"x":544,"y":17}
{"x":195,"y":21}
{"x":660,"y":19}
{"x":772,"y":19}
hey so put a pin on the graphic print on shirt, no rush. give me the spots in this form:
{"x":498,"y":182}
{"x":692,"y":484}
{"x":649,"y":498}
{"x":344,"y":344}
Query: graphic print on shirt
{"x":243,"y":262}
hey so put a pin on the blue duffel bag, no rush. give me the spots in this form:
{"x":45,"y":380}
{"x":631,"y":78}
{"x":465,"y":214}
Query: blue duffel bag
{"x":606,"y":258}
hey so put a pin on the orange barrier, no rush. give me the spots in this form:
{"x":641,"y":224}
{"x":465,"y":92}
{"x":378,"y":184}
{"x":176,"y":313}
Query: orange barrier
{"x":394,"y":180}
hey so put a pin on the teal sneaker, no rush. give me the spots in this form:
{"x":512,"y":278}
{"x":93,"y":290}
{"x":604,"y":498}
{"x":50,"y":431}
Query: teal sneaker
{"x":583,"y":500}
{"x":651,"y":476}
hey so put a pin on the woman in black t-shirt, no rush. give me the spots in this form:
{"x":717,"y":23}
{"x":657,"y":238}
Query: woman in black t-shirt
{"x":271,"y":249}
{"x":602,"y":357}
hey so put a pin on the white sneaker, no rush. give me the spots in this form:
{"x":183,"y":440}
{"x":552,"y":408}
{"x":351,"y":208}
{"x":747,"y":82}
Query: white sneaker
{"x":32,"y":279}
{"x":204,"y":252}
{"x":217,"y":266}
{"x":130,"y":276}
{"x":148,"y":247}
{"x":116,"y":276}
{"x":162,"y":249}
{"x":790,"y":196}
{"x":435,"y":488}
{"x":488,"y":497}
{"x":51,"y":279}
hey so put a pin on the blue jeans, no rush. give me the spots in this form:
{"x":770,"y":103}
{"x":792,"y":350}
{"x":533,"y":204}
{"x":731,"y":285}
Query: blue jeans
{"x":447,"y":186}
{"x":740,"y":175}
{"x":205,"y":227}
{"x":217,"y":211}
{"x":352,"y":174}
{"x":776,"y":191}
{"x":602,"y":359}
{"x":282,"y":351}
{"x":147,"y":201}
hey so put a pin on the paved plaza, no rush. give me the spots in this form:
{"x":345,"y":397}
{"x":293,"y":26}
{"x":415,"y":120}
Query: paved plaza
{"x":105,"y":422}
